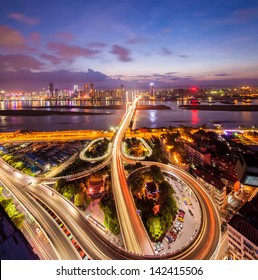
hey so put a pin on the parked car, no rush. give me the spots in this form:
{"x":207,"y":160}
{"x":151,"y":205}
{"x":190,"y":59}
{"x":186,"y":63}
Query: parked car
{"x":181,"y":219}
{"x":180,"y":214}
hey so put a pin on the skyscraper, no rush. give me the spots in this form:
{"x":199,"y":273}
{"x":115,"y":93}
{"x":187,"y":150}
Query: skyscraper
{"x":75,"y":88}
{"x":91,"y":90}
{"x":86,"y":91}
{"x":51,"y":89}
{"x":152,"y":90}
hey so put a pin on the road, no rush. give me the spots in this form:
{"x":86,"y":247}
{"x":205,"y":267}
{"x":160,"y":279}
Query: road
{"x":136,"y":240}
{"x":205,"y":246}
{"x":59,"y":241}
{"x":134,"y":235}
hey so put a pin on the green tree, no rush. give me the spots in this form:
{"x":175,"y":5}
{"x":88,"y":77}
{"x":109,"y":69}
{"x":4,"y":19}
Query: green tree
{"x":156,"y":173}
{"x":155,"y":227}
{"x":18,"y":220}
{"x":79,"y":200}
{"x":6,"y":202}
{"x":60,"y":183}
{"x":137,"y":185}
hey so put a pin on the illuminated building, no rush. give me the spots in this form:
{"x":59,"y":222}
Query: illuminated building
{"x":151,"y":89}
{"x":75,"y":88}
{"x":243,"y":231}
{"x":86,"y":91}
{"x":91,"y":94}
{"x":51,"y":89}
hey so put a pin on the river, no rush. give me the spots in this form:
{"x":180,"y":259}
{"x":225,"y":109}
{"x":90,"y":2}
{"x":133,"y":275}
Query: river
{"x":107,"y":118}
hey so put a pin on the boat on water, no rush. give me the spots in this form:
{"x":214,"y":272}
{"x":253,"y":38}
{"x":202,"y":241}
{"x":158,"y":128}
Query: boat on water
{"x":194,"y":101}
{"x":247,"y":101}
{"x":232,"y":102}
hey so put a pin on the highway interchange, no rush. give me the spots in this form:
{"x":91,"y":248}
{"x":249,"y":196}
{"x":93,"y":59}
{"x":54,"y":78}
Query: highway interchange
{"x":93,"y":241}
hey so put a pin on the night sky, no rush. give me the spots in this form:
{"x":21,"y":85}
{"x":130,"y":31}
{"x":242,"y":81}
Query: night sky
{"x":170,"y":43}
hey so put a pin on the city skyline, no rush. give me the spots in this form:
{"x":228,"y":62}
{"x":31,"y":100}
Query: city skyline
{"x":169,"y":44}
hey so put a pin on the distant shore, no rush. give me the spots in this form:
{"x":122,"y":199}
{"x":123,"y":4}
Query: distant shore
{"x":152,"y":107}
{"x":227,"y":107}
{"x":45,"y":113}
{"x":109,"y":107}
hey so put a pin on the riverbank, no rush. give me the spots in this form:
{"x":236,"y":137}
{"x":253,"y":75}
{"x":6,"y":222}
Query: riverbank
{"x":109,"y":107}
{"x":228,"y":107}
{"x":46,"y":113}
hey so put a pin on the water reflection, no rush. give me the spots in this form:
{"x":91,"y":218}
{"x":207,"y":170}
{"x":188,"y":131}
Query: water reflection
{"x":194,"y":117}
{"x":152,"y":116}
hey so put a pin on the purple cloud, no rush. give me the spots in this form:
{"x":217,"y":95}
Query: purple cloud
{"x":70,"y":52}
{"x":136,"y":40}
{"x":122,"y":53}
{"x":24,"y":19}
{"x":11,"y":39}
{"x":166,"y":52}
{"x":223,"y":75}
{"x":35,"y":37}
{"x":183,"y":55}
{"x":64,"y":36}
{"x":28,"y":80}
{"x":18,"y":61}
{"x":96,"y":45}
{"x":53,"y":59}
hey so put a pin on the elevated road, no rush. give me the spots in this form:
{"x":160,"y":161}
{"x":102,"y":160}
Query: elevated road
{"x":205,"y":246}
{"x":136,"y":240}
{"x":134,"y":235}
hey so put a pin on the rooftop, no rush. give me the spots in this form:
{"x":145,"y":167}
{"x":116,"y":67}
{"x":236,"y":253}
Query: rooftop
{"x":246,"y":220}
{"x":13,"y":244}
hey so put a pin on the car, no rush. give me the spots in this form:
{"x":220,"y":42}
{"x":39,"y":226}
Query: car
{"x":181,"y":219}
{"x":178,"y":225}
{"x":181,"y":210}
{"x":168,"y":238}
{"x":190,"y":211}
{"x":180,"y":214}
{"x":161,"y":245}
{"x":189,"y":201}
{"x":158,"y":248}
{"x":173,"y":234}
{"x":38,"y":230}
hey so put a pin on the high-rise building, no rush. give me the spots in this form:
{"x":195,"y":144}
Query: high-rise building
{"x":51,"y":89}
{"x":91,"y":90}
{"x":86,"y":91}
{"x":75,"y":88}
{"x":151,"y":90}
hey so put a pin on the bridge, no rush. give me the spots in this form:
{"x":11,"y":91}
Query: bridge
{"x":136,"y":240}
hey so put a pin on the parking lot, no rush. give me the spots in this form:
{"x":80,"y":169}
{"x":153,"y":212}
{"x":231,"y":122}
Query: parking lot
{"x":187,"y":222}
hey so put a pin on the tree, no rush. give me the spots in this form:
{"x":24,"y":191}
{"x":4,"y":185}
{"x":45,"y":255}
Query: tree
{"x":60,"y":183}
{"x":137,"y":185}
{"x":79,"y":200}
{"x":156,"y":173}
{"x":18,"y":220}
{"x":155,"y":227}
{"x":6,"y":202}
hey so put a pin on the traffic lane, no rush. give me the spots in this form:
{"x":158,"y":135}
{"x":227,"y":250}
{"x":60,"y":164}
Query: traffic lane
{"x":62,"y":246}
